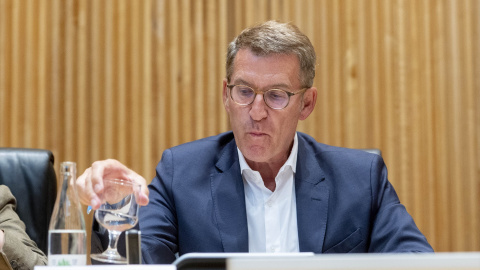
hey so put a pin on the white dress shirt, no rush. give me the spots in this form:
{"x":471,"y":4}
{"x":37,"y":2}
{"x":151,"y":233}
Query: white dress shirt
{"x":271,"y":216}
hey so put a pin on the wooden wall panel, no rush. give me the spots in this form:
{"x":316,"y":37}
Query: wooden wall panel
{"x":127,"y":79}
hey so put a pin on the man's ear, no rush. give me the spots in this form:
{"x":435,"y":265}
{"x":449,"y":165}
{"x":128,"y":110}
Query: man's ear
{"x":309,"y":101}
{"x":225,"y":95}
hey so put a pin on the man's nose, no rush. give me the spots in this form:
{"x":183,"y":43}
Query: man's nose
{"x":259,"y":108}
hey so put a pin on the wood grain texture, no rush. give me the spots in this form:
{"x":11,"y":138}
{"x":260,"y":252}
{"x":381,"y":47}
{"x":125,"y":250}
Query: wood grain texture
{"x":122,"y":79}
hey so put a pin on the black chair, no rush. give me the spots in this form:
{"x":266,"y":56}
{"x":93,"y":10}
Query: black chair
{"x":30,"y":175}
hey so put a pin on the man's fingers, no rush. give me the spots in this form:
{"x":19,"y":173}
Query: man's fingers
{"x":85,"y":190}
{"x":96,"y":176}
{"x":91,"y":188}
{"x":142,"y":197}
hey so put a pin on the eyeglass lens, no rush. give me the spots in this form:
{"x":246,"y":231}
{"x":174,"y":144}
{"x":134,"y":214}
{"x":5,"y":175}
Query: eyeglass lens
{"x":275,"y":99}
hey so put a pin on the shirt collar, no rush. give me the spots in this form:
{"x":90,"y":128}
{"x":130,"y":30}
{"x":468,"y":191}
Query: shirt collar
{"x":291,"y":161}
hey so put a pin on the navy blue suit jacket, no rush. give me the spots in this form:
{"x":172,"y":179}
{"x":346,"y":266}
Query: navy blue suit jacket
{"x":345,"y":202}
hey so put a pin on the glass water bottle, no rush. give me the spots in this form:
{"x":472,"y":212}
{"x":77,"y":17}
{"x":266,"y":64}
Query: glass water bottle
{"x":67,"y":238}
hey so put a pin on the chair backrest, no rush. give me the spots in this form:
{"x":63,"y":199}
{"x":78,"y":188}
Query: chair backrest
{"x":30,"y":175}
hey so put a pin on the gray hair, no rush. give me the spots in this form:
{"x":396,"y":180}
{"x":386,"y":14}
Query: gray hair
{"x":274,"y":37}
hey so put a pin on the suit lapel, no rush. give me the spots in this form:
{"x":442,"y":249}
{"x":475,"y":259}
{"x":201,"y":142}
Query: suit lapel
{"x":312,"y":200}
{"x":229,"y":201}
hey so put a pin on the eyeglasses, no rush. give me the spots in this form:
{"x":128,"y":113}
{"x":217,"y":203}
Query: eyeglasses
{"x":276,"y":99}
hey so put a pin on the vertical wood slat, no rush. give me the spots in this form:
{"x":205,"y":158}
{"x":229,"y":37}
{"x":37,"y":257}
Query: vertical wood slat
{"x":348,"y":72}
{"x":440,"y":70}
{"x":428,"y":174}
{"x":126,"y":80}
{"x":453,"y":54}
{"x":173,"y":87}
{"x":119,"y":51}
{"x":185,"y":102}
{"x":95,"y":78}
{"x":413,"y":113}
{"x":476,"y":70}
{"x":222,"y":42}
{"x":212,"y":79}
{"x":385,"y":81}
{"x":16,"y":60}
{"x":471,"y":204}
{"x":146,"y":105}
{"x":3,"y":73}
{"x":320,"y":113}
{"x":39,"y":64}
{"x":68,"y":96}
{"x":54,"y":78}
{"x":28,"y":84}
{"x":400,"y":98}
{"x":110,"y":105}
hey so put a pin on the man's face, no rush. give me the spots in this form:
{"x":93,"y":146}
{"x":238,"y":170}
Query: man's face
{"x":261,"y":133}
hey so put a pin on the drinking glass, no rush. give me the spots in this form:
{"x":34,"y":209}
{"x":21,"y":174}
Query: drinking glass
{"x":118,"y":212}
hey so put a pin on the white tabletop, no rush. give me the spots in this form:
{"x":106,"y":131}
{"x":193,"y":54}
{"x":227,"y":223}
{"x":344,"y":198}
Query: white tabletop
{"x":111,"y":267}
{"x":403,"y":261}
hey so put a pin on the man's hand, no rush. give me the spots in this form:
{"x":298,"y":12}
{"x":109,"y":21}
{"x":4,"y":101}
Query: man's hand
{"x":90,"y":184}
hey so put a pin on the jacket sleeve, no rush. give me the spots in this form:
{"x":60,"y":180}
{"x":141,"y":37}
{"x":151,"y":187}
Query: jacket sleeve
{"x":158,"y":220}
{"x":20,"y":251}
{"x":393,"y":228}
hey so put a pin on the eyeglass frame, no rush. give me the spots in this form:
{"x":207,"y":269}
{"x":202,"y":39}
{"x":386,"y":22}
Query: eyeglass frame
{"x":289,"y":94}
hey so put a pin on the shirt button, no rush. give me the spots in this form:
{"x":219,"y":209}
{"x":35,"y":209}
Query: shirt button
{"x":269,"y":204}
{"x":272,"y":249}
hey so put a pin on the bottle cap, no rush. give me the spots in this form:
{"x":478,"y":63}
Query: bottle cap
{"x":68,"y":167}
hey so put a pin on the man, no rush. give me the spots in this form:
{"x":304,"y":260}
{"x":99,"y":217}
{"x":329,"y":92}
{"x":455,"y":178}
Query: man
{"x":263,"y":187}
{"x":17,"y":250}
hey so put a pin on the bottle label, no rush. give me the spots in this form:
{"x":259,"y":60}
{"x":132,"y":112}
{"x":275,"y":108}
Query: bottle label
{"x":67,"y":259}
